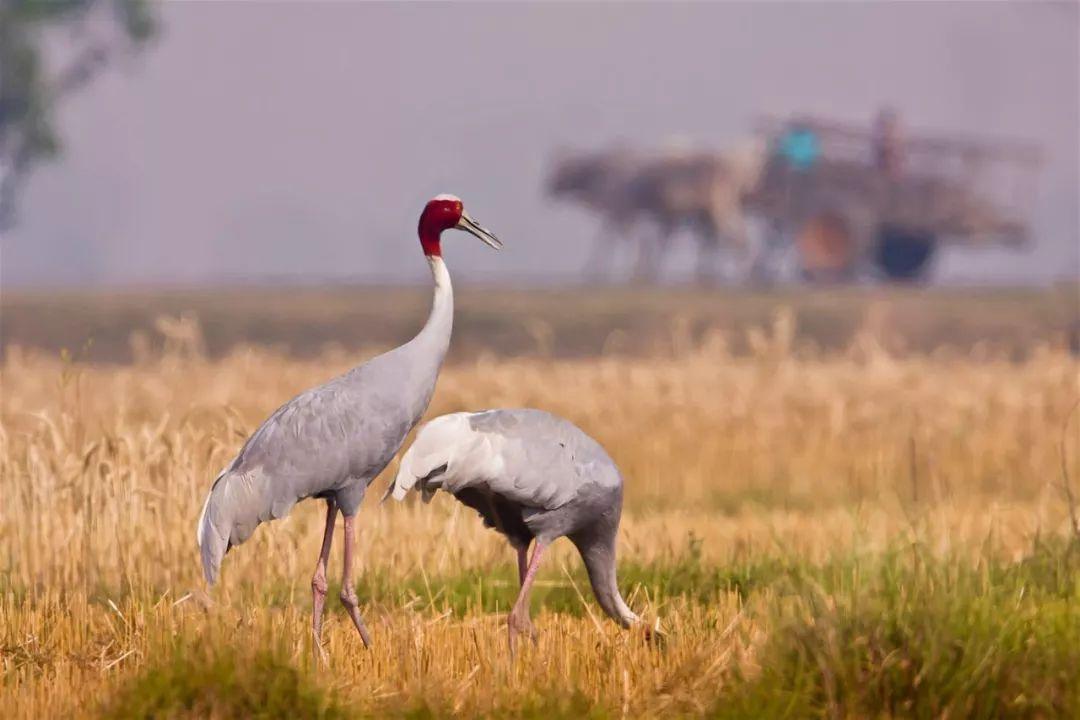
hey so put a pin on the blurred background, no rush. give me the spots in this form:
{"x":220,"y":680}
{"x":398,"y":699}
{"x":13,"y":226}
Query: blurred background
{"x":659,"y":161}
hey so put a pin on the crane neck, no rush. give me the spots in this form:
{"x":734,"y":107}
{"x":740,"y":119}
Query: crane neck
{"x":435,"y":335}
{"x":598,"y":552}
{"x":443,"y":300}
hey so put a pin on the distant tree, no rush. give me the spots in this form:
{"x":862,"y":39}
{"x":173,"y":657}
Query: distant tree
{"x":48,"y":50}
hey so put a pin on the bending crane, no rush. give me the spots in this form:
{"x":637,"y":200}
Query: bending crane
{"x":531,"y":476}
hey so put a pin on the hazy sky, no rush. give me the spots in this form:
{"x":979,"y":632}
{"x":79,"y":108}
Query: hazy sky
{"x":265,"y":139}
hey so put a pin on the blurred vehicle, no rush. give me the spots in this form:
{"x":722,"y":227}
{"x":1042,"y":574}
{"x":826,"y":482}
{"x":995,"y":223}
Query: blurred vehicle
{"x":851,"y":201}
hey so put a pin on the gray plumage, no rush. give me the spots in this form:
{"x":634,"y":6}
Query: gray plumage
{"x":330,"y":441}
{"x":531,"y":476}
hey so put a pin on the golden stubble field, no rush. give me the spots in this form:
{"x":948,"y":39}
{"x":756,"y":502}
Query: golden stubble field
{"x":733,"y":465}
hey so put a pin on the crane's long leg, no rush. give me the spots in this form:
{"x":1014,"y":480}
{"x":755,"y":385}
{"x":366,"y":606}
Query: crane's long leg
{"x":523,"y":562}
{"x":348,"y":592}
{"x":519,"y":621}
{"x":318,"y":581}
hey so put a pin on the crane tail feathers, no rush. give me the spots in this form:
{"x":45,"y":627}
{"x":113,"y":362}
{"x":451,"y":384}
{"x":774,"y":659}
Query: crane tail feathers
{"x":212,"y":553}
{"x":212,"y":544}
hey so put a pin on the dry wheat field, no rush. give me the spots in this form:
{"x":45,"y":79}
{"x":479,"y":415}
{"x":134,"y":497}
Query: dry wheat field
{"x":849,"y":533}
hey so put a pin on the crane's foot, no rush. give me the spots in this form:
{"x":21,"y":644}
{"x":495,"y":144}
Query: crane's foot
{"x":349,"y":600}
{"x":321,"y":658}
{"x":519,"y":624}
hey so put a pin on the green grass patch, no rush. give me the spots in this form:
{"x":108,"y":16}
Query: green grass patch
{"x":910,"y":636}
{"x":491,"y":590}
{"x":198,"y":682}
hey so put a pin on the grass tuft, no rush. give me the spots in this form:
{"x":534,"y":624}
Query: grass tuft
{"x":197,"y":682}
{"x":928,"y":638}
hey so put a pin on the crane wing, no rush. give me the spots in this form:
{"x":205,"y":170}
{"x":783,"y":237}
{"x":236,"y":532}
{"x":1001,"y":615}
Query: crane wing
{"x":529,"y":457}
{"x":310,"y":445}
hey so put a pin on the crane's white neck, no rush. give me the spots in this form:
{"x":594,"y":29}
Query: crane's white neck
{"x":442,"y":304}
{"x":435,"y":337}
{"x":440,"y":275}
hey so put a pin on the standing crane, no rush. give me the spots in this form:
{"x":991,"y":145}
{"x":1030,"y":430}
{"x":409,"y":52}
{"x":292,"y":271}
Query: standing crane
{"x":330,"y":442}
{"x":531,"y":476}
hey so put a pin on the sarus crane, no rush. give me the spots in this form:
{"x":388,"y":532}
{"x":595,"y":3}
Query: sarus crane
{"x":330,"y":442}
{"x":531,"y":476}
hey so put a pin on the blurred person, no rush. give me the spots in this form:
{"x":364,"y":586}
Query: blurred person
{"x":888,"y":143}
{"x":800,"y":145}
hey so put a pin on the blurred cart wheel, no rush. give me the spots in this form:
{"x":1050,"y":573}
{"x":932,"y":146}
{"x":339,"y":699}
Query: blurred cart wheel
{"x":904,"y":254}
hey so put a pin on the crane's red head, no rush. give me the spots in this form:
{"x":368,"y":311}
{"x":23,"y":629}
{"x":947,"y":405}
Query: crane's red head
{"x":445,"y":212}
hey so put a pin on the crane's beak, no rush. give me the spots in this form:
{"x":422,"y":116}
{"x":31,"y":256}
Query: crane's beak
{"x":471,"y":226}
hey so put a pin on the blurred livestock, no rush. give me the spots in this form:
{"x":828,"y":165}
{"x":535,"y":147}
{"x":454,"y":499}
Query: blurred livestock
{"x":646,"y":198}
